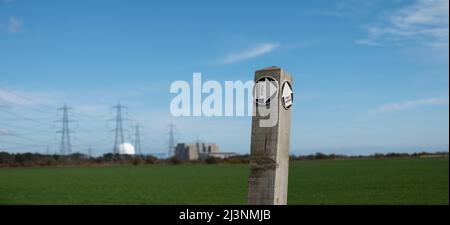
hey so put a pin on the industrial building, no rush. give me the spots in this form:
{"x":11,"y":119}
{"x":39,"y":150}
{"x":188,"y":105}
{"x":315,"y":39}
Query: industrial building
{"x":199,"y":151}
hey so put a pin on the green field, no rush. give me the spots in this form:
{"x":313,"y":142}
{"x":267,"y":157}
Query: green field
{"x":362,"y":181}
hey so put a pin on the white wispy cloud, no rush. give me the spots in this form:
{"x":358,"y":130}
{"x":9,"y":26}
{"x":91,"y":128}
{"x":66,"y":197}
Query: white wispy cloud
{"x":7,"y":98}
{"x":410,"y":104}
{"x":6,"y":1}
{"x":424,"y":21}
{"x":249,"y":53}
{"x":12,"y":25}
{"x":4,"y":132}
{"x":347,"y":8}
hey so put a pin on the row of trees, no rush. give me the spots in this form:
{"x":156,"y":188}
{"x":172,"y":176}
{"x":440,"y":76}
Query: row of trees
{"x":36,"y":159}
{"x":77,"y":159}
{"x":321,"y":156}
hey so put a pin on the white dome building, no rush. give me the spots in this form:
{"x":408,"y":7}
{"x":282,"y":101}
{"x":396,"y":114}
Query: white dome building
{"x":126,"y":149}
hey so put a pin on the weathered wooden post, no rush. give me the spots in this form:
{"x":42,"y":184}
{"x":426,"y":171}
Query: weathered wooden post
{"x":271,"y":124}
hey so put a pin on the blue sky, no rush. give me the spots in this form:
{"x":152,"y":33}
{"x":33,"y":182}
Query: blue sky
{"x":370,"y":76}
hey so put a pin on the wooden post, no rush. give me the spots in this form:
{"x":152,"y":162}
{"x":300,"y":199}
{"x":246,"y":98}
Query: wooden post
{"x":269,"y":159}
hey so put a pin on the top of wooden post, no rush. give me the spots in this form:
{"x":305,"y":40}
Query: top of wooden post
{"x":269,"y":68}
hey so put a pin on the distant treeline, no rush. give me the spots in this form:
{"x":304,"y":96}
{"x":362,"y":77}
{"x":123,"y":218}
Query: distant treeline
{"x":321,"y":156}
{"x":37,"y":159}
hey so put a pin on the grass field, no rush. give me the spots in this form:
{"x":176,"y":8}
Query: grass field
{"x":362,"y":181}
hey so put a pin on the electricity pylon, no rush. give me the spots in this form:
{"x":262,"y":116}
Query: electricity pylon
{"x":65,"y":143}
{"x":137,"y":139}
{"x":171,"y":150}
{"x":118,"y":137}
{"x":89,"y":152}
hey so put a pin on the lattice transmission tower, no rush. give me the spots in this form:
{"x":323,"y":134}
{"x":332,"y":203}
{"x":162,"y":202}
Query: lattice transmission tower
{"x":65,"y":142}
{"x":137,"y":139}
{"x":171,"y":147}
{"x":118,"y":130}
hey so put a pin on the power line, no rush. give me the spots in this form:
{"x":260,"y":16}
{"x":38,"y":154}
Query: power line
{"x":20,"y":119}
{"x":20,"y":147}
{"x":26,"y":98}
{"x":26,"y":138}
{"x":65,"y":130}
{"x":20,"y":144}
{"x":25,"y":128}
{"x":91,"y":116}
{"x":90,"y":144}
{"x":27,"y":107}
{"x":25,"y":118}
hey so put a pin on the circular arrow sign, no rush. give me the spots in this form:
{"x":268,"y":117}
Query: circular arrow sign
{"x":265,"y":90}
{"x":287,"y":95}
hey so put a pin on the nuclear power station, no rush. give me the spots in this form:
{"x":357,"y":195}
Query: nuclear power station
{"x":200,"y":151}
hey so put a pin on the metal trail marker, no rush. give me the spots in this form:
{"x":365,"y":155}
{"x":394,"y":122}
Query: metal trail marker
{"x":269,"y":159}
